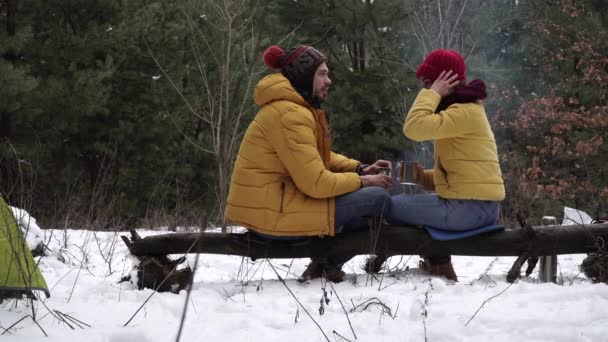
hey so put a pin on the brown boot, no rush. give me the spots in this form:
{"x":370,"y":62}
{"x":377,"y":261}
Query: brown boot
{"x":319,"y":267}
{"x":332,"y":268}
{"x":313,"y":270}
{"x":334,"y":275}
{"x":445,"y":270}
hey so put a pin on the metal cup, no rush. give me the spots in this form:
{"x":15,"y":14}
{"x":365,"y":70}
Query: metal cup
{"x":385,"y":170}
{"x":408,"y":172}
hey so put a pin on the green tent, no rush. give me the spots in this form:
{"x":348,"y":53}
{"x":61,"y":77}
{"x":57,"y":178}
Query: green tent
{"x":19,"y":274}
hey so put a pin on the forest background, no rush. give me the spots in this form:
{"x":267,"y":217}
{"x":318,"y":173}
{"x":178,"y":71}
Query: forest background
{"x":119,"y":114}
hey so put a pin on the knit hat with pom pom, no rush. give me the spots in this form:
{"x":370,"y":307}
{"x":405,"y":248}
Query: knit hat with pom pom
{"x":298,"y":65}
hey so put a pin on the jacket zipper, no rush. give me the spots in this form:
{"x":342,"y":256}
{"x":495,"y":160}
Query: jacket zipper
{"x":282,"y":195}
{"x":325,"y":138}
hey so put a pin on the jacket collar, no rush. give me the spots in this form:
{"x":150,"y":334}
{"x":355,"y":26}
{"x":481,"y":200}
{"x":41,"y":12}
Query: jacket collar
{"x":276,"y":87}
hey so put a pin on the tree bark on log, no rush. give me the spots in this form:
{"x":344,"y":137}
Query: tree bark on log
{"x":391,"y":240}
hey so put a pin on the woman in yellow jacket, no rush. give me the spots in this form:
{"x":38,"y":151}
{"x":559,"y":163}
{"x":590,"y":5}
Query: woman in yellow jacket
{"x":286,"y":180}
{"x":466,"y":176}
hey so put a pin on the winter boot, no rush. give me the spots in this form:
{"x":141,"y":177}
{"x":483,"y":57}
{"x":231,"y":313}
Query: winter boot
{"x":445,"y":269}
{"x":320,"y":267}
{"x":334,"y":275}
{"x":313,"y":270}
{"x":333,"y":268}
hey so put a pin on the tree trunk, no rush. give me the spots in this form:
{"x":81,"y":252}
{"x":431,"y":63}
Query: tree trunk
{"x":224,"y":171}
{"x":361,"y":54}
{"x":11,"y":17}
{"x":392,"y":240}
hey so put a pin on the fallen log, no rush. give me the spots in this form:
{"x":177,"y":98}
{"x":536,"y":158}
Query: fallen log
{"x":386,"y":241}
{"x":161,"y":274}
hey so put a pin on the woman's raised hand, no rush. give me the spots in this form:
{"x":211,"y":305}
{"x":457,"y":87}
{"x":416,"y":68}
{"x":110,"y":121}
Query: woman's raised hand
{"x":445,"y":83}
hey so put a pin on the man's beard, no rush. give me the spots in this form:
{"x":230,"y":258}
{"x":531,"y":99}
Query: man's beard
{"x":320,"y":99}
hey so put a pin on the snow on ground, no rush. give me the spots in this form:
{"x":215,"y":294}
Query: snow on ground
{"x":29,"y":227}
{"x":234,"y":299}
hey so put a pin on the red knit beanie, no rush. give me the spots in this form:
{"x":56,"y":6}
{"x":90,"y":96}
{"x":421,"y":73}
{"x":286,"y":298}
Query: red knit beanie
{"x":440,"y":60}
{"x":298,"y":64}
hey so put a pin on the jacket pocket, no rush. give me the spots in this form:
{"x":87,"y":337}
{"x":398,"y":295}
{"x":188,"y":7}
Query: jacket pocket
{"x":282,"y":196}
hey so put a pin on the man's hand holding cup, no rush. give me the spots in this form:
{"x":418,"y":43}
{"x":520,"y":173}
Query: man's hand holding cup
{"x":380,"y":166}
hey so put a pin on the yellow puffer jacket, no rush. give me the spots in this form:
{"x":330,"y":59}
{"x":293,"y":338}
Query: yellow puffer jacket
{"x":285,"y":176}
{"x":466,"y":160}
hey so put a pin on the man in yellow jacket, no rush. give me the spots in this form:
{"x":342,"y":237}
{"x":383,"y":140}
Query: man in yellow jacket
{"x":286,"y":180}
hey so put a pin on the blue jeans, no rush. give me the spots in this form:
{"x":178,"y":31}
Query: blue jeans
{"x":352,"y":211}
{"x":352,"y":208}
{"x":448,"y":214}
